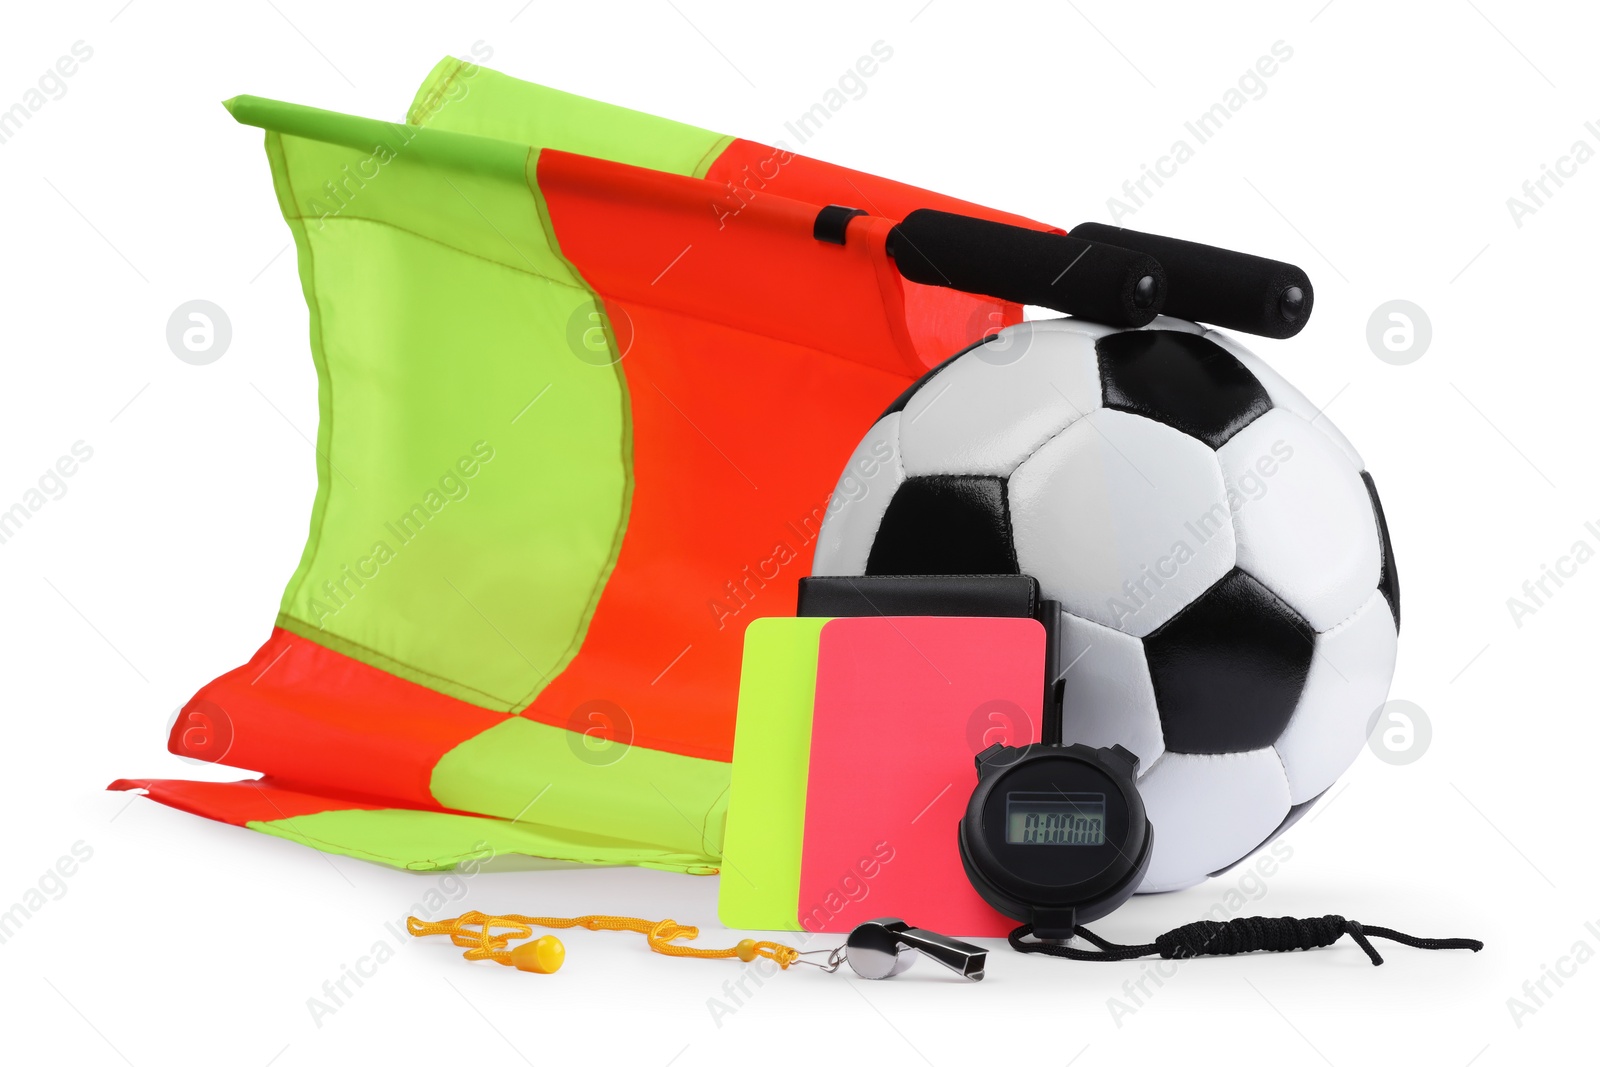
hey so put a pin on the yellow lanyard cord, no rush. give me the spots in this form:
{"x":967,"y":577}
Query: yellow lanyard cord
{"x":476,"y":932}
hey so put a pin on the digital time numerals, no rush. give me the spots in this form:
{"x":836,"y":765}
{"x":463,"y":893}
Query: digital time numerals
{"x":1035,"y":818}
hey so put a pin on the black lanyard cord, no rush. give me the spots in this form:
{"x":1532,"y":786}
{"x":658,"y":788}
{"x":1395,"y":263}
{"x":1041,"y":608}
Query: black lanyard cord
{"x":1208,"y":937}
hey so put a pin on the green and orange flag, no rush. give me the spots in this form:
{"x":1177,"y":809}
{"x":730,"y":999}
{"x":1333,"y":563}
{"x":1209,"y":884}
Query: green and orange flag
{"x":586,"y":381}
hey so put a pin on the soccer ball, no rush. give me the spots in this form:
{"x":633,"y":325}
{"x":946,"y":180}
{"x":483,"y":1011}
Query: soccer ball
{"x":1229,"y":603}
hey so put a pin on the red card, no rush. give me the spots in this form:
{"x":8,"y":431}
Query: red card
{"x":902,"y":706}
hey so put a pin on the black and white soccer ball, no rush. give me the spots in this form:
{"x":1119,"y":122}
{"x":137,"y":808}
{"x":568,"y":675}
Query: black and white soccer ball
{"x":1229,"y":600}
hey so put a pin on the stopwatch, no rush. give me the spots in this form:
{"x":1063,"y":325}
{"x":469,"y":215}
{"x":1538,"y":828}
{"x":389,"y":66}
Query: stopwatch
{"x":1055,"y":836}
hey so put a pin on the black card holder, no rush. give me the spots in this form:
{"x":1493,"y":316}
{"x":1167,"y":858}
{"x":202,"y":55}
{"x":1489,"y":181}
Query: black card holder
{"x":1012,"y":596}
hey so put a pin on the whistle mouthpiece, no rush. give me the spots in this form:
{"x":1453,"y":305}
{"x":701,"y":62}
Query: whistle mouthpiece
{"x":884,"y":948}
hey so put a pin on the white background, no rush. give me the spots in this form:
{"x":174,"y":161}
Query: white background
{"x":1380,"y":158}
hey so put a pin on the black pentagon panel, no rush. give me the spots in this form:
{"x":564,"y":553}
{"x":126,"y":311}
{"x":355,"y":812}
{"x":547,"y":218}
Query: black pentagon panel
{"x":945,"y":524}
{"x":1228,"y":669}
{"x":1388,"y":577}
{"x":1189,"y":382}
{"x":1288,"y":820}
{"x":904,"y":398}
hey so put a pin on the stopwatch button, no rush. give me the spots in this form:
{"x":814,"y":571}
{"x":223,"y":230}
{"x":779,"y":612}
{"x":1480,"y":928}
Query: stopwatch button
{"x":1127,"y":757}
{"x":986,"y":755}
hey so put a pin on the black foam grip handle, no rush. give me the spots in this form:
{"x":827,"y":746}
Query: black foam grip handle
{"x":1095,"y":281}
{"x":1224,"y":288}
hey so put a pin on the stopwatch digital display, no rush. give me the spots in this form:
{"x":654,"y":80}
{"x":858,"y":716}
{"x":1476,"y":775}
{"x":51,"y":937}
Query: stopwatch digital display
{"x":1055,"y":835}
{"x":1055,"y":818}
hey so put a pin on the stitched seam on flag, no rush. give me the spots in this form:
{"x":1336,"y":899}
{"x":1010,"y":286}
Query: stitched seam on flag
{"x":292,"y":832}
{"x":324,"y":383}
{"x":286,"y":829}
{"x":581,"y":632}
{"x":383,"y":661}
{"x":714,"y":153}
{"x":429,"y":106}
{"x":705,"y":821}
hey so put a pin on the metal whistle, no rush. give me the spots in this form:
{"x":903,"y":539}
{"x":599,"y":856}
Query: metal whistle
{"x":884,"y":948}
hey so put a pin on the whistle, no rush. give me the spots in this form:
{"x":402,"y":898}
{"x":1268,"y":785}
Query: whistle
{"x":884,"y":948}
